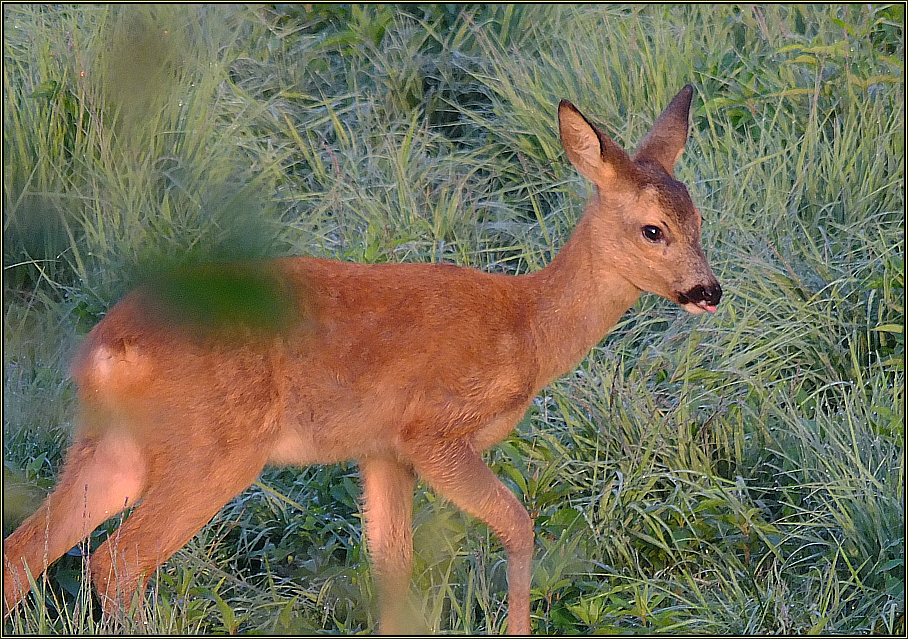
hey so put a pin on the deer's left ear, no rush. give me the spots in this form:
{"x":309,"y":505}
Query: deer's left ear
{"x":665,"y":141}
{"x":598,"y":158}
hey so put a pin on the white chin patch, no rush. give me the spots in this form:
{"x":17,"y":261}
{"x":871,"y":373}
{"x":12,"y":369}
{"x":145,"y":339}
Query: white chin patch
{"x":698,"y":308}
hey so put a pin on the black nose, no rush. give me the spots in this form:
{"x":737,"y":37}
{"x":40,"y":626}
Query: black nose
{"x":710,"y":294}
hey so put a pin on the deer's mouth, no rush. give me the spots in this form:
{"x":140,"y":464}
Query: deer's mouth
{"x":701,"y":299}
{"x":698,"y":308}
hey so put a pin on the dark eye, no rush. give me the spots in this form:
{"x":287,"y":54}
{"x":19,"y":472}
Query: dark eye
{"x":652,"y":233}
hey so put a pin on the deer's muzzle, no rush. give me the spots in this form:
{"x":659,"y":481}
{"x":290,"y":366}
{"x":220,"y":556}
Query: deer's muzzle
{"x":701,"y":298}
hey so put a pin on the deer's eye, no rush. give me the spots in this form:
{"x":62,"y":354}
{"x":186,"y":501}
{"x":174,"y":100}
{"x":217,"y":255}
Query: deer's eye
{"x":652,"y":233}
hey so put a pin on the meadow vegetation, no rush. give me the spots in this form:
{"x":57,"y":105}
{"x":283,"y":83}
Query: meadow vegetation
{"x":737,"y":473}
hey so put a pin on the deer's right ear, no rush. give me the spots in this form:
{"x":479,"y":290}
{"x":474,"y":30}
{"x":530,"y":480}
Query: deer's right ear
{"x":592,"y":152}
{"x":665,"y":141}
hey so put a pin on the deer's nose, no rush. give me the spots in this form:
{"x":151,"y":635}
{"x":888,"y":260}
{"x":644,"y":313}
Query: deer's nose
{"x":702,"y":294}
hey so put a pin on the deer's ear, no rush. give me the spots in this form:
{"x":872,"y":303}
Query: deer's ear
{"x":665,"y":141}
{"x":593,"y":153}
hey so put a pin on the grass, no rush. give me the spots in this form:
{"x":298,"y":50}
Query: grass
{"x":741,"y":473}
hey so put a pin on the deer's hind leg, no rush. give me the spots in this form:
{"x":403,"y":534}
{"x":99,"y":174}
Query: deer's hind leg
{"x":100,"y":477}
{"x":185,"y":492}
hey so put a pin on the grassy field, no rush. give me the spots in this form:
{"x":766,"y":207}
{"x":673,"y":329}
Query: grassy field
{"x":737,"y":473}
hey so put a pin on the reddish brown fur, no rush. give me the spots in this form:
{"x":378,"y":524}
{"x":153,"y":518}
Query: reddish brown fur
{"x":410,"y":369}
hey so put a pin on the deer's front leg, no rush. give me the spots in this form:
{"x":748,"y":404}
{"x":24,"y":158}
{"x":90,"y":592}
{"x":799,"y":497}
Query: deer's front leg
{"x":388,"y":500}
{"x":457,"y":472}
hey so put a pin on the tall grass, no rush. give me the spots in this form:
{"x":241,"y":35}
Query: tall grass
{"x":741,"y":473}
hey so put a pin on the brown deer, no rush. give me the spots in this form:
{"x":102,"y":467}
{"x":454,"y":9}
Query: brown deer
{"x":192,"y":384}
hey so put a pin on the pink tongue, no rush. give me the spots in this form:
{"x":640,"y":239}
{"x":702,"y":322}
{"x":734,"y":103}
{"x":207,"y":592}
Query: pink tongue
{"x":710,"y":308}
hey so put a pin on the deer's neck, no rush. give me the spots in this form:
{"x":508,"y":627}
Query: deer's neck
{"x":579,"y":299}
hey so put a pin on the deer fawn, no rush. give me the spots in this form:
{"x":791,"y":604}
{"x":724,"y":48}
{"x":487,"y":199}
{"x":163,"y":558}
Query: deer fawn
{"x":409,"y":369}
